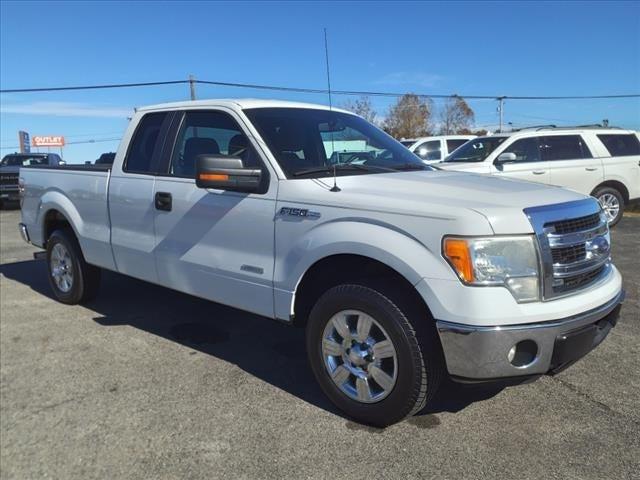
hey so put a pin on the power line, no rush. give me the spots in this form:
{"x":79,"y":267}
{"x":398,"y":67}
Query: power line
{"x":92,"y":87}
{"x":315,"y":90}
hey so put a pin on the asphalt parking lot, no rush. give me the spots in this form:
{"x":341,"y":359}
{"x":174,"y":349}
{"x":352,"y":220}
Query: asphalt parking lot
{"x":150,"y":383}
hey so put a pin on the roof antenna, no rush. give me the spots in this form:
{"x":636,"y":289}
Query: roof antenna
{"x":335,"y":187}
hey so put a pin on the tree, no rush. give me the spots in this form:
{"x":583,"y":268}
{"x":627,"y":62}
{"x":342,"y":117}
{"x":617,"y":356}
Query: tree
{"x":478,"y":133}
{"x":362,"y":106}
{"x":456,"y":116}
{"x":409,"y":117}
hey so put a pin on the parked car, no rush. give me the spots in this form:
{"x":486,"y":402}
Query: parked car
{"x":601,"y":162}
{"x":10,"y":166}
{"x":400,"y":273}
{"x":435,"y":149}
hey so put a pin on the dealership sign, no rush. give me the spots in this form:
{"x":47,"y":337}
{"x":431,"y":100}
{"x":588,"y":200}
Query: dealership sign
{"x":48,"y":141}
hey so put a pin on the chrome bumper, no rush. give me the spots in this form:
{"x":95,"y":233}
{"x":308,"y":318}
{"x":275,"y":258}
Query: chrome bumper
{"x":476,"y":353}
{"x":24,"y":233}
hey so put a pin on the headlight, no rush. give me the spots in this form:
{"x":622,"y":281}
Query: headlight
{"x":511,"y":262}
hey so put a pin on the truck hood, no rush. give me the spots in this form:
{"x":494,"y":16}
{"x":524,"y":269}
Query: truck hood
{"x":10,"y":169}
{"x":448,"y":195}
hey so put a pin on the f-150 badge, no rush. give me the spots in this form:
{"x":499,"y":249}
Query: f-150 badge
{"x":298,"y":212}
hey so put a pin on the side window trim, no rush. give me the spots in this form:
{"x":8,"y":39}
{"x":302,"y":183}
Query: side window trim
{"x":586,"y":151}
{"x":164,"y":162}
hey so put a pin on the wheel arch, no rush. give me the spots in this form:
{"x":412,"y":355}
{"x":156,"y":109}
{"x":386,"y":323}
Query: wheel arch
{"x":54,"y":220}
{"x":615,"y":184}
{"x":58,"y":211}
{"x":336,"y":269}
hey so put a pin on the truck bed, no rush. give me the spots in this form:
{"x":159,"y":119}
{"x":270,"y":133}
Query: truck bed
{"x":80,"y":193}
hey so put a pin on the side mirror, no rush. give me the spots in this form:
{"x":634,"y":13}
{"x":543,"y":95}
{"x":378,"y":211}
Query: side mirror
{"x":506,"y":157}
{"x":226,"y":173}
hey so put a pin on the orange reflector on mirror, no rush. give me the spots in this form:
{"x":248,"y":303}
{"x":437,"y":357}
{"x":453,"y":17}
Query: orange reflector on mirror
{"x":214,"y":177}
{"x":456,"y":250}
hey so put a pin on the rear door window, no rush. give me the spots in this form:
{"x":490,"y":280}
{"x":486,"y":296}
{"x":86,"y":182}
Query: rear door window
{"x":146,"y":144}
{"x":564,"y":147}
{"x":621,"y":145}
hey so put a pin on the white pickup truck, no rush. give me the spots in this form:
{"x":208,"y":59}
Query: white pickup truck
{"x":400,"y":273}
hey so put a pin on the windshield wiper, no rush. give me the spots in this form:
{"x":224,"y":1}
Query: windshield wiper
{"x":411,"y":166}
{"x":341,"y":167}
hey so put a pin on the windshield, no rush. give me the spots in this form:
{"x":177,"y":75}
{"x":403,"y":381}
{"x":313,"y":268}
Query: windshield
{"x":311,"y":142}
{"x":476,"y":150}
{"x":22,"y":161}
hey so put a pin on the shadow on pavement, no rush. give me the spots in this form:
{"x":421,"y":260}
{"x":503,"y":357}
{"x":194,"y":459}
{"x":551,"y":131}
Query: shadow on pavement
{"x":271,"y":351}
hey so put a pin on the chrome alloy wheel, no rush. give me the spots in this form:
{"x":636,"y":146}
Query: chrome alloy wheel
{"x":359,"y":356}
{"x":61,"y":267}
{"x":610,"y":205}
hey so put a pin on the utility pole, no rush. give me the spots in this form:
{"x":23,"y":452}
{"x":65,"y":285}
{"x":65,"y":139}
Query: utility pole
{"x":192,"y":86}
{"x":501,"y":110}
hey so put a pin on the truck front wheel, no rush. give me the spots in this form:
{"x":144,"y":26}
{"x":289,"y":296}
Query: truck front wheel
{"x":71,"y":278}
{"x":375,"y":360}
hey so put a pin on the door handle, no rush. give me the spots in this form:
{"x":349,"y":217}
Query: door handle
{"x":539,"y":172}
{"x":163,"y":201}
{"x":591,"y":169}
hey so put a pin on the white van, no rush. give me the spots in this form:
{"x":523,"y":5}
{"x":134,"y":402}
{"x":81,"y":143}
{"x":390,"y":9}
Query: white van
{"x":602,"y":162}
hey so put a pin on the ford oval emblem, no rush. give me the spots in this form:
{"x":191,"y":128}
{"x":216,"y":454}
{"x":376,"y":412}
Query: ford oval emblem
{"x":598,"y":246}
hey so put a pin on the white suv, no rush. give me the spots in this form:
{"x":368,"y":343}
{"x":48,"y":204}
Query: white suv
{"x":602,"y":162}
{"x":435,"y":149}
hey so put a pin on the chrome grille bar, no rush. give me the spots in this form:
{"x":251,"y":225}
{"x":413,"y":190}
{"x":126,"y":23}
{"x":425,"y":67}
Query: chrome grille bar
{"x":578,"y":257}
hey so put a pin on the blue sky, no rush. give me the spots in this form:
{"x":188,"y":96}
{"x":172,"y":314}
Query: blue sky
{"x":474,"y":48}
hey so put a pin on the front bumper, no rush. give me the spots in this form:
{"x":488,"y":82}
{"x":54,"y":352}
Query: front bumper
{"x":478,"y":353}
{"x":24,"y":233}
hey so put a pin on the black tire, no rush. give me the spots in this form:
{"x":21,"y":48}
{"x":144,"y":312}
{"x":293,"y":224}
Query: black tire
{"x":420,"y":363}
{"x":602,"y":192}
{"x":86,"y":278}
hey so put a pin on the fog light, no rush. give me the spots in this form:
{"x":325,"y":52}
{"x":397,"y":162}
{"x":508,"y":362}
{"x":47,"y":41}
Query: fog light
{"x":523,"y":353}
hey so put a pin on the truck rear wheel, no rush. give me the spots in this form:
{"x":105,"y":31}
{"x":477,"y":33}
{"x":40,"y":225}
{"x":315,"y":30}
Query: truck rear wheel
{"x":71,"y":278}
{"x":374,"y":359}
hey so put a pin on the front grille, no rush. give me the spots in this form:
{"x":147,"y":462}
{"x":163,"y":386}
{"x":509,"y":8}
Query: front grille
{"x":8,"y":179}
{"x":574,"y":245}
{"x":575,"y":225}
{"x":578,"y":281}
{"x":574,"y":253}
